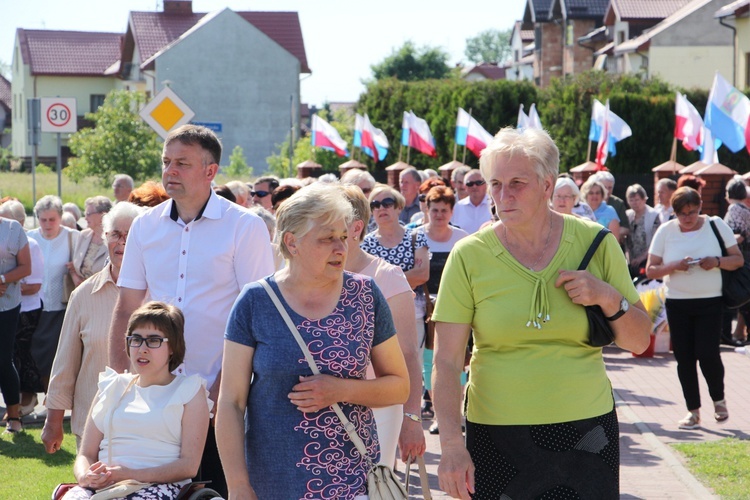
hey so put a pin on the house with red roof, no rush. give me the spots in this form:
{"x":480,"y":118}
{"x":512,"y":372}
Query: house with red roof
{"x":483,"y":71}
{"x":238,"y":71}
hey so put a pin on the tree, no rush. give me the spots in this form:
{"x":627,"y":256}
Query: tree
{"x":410,"y":64}
{"x":120,"y":142}
{"x":238,"y":164}
{"x":5,"y":69}
{"x":490,"y":46}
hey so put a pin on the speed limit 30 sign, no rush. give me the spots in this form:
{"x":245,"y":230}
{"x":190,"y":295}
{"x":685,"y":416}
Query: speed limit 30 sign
{"x":59,"y":114}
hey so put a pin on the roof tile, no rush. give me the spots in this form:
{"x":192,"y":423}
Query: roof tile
{"x":647,"y":9}
{"x":6,"y":97}
{"x":154,"y":30}
{"x":52,"y":52}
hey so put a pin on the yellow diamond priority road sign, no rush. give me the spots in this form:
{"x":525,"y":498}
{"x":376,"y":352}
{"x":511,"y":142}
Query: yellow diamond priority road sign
{"x":166,"y":112}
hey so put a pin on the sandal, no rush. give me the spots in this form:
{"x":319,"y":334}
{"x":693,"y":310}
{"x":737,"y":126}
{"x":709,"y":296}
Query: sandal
{"x":11,"y":430}
{"x":691,"y":421}
{"x":720,"y":410}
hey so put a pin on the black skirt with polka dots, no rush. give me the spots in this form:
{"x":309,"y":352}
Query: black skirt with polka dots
{"x":569,"y":460}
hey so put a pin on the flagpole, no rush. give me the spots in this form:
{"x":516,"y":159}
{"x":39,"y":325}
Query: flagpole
{"x":673,"y":155}
{"x":455,"y":147}
{"x":400,"y":149}
{"x":408,"y":153}
{"x":588,"y":153}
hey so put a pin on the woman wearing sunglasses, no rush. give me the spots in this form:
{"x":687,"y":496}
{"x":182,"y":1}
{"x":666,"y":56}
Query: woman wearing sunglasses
{"x":405,"y":248}
{"x":148,"y":426}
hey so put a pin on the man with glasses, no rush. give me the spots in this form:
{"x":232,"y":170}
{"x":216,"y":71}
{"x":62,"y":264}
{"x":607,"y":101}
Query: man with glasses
{"x":262,"y":190}
{"x":195,"y":251}
{"x":474,"y":210}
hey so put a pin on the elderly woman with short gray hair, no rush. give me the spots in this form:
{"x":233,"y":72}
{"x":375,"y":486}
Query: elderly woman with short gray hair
{"x":82,"y":351}
{"x":90,"y":252}
{"x":344,"y":322}
{"x":644,"y":221}
{"x":57,"y":243}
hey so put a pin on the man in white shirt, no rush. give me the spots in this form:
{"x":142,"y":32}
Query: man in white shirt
{"x":474,"y":210}
{"x":195,"y":251}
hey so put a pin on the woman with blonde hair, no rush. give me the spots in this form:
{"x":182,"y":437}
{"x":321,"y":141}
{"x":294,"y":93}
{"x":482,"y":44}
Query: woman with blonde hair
{"x":286,"y":440}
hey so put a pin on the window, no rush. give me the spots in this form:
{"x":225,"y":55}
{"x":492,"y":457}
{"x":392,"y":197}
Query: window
{"x":95,"y":102}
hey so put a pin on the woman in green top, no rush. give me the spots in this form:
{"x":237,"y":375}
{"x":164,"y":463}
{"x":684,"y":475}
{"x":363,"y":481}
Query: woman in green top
{"x":540,"y":412}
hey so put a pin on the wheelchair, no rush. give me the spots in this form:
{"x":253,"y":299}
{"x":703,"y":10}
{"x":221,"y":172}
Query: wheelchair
{"x":192,"y":491}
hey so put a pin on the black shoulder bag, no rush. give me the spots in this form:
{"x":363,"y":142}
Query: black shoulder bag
{"x":600,"y":331}
{"x":735,"y":285}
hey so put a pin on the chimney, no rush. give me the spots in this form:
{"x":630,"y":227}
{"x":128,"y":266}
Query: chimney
{"x":178,"y":6}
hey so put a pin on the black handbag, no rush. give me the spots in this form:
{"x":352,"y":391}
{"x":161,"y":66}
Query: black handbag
{"x":600,"y":331}
{"x":735,"y":285}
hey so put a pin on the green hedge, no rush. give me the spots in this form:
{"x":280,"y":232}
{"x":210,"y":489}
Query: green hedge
{"x":564,"y":108}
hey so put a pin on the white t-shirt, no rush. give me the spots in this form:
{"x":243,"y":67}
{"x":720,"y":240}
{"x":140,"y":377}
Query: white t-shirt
{"x":671,"y":244}
{"x":200,"y":267}
{"x":56,"y":252}
{"x":146,"y":421}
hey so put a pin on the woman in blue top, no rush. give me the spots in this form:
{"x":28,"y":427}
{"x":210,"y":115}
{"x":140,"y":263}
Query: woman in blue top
{"x":594,"y":193}
{"x":294,"y":445}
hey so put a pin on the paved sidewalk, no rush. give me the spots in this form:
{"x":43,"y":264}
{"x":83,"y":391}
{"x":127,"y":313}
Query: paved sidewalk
{"x":649,"y":403}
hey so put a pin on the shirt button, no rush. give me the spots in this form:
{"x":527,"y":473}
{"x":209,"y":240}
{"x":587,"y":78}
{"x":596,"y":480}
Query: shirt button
{"x":184,"y":252}
{"x":179,"y":299}
{"x":187,"y":229}
{"x":182,"y":276}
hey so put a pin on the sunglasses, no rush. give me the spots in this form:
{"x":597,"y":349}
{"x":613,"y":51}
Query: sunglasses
{"x":422,"y":198}
{"x":474,"y":183}
{"x":386,"y":203}
{"x":260,"y":194}
{"x":151,"y":342}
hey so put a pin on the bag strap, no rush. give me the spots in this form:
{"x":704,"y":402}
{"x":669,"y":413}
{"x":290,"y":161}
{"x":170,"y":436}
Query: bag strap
{"x":718,"y":237}
{"x":348,"y":426}
{"x":423,"y":478}
{"x":592,"y":249}
{"x":70,"y":244}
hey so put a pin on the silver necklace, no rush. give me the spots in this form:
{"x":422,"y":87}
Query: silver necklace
{"x":544,"y":250}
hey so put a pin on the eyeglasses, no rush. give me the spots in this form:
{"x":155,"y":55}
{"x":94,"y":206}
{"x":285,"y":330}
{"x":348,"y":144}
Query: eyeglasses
{"x":386,"y":203}
{"x":564,"y":197}
{"x":115,"y":236}
{"x":474,"y":183}
{"x":260,"y":194}
{"x":89,"y":214}
{"x":151,"y":342}
{"x":422,"y":198}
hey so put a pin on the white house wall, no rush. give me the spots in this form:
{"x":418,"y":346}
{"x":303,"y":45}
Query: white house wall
{"x":690,"y":66}
{"x":229,"y":72}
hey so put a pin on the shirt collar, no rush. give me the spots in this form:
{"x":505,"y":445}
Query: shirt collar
{"x":101,"y":279}
{"x":210,"y":210}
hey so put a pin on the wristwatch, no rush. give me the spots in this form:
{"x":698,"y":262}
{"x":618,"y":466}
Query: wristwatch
{"x":412,"y":416}
{"x":624,"y":306}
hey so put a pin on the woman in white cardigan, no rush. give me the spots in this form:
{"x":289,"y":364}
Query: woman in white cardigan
{"x":90,"y":252}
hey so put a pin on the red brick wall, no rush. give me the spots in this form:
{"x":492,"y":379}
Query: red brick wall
{"x":551,"y":60}
{"x":578,"y":59}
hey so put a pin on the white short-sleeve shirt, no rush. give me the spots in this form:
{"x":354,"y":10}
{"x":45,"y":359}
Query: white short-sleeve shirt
{"x":470,"y":217}
{"x":199,"y":267}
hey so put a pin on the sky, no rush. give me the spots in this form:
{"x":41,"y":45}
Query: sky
{"x":342,"y":38}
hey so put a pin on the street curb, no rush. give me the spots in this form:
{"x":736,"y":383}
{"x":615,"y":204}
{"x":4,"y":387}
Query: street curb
{"x":665,"y":452}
